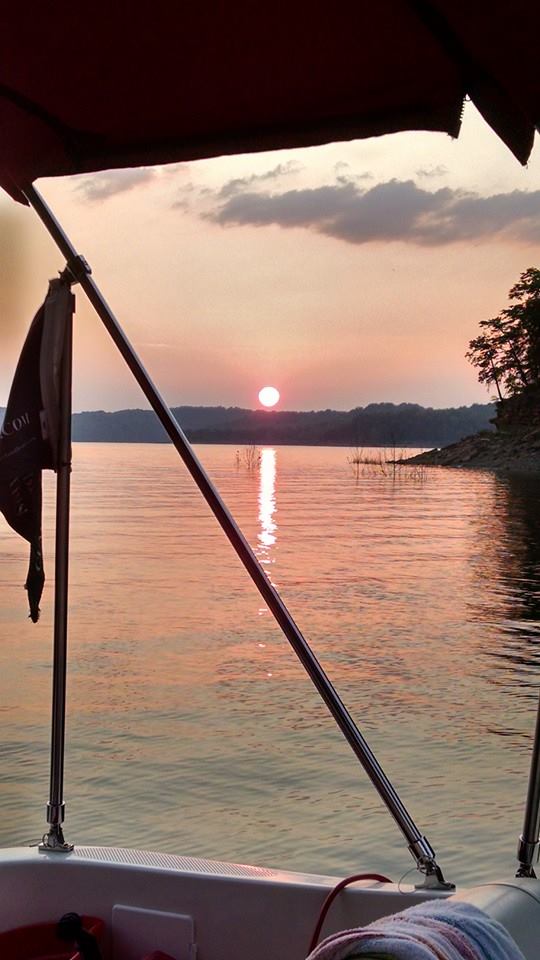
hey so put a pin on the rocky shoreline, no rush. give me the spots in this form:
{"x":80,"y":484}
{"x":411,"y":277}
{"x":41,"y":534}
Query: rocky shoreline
{"x":490,"y":450}
{"x":513,"y":447}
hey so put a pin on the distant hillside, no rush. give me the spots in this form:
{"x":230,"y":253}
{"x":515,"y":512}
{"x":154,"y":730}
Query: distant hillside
{"x":378,"y":424}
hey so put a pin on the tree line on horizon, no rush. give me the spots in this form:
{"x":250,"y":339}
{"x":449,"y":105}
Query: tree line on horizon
{"x":377,"y":424}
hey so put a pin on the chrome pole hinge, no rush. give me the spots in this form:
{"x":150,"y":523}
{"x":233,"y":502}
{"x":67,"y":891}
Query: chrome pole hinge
{"x":433,"y":878}
{"x":53,"y":841}
{"x":426,"y":863}
{"x":528,"y":852}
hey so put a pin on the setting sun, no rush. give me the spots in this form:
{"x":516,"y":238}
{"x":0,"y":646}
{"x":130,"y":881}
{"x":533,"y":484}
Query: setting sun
{"x":268,"y":396}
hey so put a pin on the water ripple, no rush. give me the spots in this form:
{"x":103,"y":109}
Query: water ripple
{"x":421,"y":599}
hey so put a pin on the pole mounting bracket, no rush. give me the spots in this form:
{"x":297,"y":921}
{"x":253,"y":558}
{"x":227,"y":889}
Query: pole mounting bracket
{"x":77,"y":267}
{"x":54,"y":842}
{"x":433,"y":879}
{"x":426,"y":863}
{"x":528,"y":853}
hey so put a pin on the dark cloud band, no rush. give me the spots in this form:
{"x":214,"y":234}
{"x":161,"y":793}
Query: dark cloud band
{"x":394,"y":211}
{"x":111,"y":182}
{"x":235,"y":186}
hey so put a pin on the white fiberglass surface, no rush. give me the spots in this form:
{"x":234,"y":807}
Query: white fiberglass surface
{"x":147,"y":900}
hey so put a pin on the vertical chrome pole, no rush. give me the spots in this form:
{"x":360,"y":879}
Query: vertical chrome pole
{"x":418,"y":845}
{"x":54,"y":838}
{"x":528,"y":845}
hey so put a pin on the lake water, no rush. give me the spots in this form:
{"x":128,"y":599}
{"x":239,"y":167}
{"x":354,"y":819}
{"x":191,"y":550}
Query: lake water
{"x":192,"y":728}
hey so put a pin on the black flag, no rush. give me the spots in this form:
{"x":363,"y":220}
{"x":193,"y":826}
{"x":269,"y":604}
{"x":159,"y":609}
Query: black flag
{"x":29,"y":433}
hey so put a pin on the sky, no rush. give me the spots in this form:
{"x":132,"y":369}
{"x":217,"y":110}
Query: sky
{"x":344,"y":274}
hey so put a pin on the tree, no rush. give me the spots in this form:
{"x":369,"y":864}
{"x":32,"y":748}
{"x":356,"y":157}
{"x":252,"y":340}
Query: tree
{"x":507,"y":352}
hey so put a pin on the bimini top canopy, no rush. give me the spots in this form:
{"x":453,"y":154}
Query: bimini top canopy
{"x":123,"y":84}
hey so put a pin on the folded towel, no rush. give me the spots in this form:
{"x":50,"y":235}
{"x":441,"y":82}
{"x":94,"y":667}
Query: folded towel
{"x":435,"y":930}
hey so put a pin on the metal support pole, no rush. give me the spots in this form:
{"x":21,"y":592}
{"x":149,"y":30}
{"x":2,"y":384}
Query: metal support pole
{"x":418,"y":845}
{"x":528,"y":846}
{"x":54,"y":838}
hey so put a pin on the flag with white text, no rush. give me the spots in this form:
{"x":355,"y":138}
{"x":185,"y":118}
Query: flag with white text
{"x":29,"y":432}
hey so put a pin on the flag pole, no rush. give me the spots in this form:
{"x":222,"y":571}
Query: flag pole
{"x":54,"y":840}
{"x":418,"y":845}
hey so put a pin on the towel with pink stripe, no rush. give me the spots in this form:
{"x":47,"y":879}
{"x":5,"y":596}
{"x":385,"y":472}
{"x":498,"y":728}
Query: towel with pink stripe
{"x":436,"y":930}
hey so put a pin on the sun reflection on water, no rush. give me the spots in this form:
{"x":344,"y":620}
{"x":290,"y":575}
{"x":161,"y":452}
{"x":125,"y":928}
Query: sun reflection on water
{"x":267,"y":505}
{"x":413,"y":594}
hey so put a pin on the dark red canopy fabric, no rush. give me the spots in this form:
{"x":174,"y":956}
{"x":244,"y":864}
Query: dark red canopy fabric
{"x":119,"y":84}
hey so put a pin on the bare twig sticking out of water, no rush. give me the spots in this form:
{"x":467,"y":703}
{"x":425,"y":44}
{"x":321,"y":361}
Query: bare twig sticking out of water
{"x":249,"y":457}
{"x":385,"y":463}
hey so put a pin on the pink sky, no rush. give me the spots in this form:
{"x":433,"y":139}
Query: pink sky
{"x":343,"y":275}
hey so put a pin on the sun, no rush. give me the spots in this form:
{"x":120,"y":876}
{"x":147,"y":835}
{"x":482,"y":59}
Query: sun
{"x":269,"y":396}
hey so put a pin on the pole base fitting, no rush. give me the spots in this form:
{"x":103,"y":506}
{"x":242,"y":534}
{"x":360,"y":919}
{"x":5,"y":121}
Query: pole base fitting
{"x":54,"y":842}
{"x":434,"y":880}
{"x":424,"y":855}
{"x":528,"y":852}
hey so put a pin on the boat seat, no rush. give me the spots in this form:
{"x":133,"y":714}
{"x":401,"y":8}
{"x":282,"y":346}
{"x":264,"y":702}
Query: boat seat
{"x":39,"y":941}
{"x":515,"y":904}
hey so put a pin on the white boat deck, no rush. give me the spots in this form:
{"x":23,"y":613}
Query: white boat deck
{"x":183,"y":905}
{"x":195,"y":909}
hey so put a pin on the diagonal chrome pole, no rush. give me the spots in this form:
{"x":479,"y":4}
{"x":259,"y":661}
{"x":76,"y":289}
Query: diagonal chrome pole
{"x":529,"y":842}
{"x":418,"y":845}
{"x":54,"y":838}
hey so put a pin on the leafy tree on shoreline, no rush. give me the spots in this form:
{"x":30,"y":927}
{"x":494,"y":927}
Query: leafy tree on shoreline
{"x":507,"y":352}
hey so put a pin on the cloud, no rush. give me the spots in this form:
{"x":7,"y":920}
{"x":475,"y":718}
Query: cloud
{"x":343,"y":173}
{"x":187,"y":193}
{"x":236,"y":185}
{"x":397,"y":210}
{"x":439,"y":171}
{"x":101,"y":186}
{"x":174,"y":169}
{"x":344,"y":178}
{"x":192,"y":197}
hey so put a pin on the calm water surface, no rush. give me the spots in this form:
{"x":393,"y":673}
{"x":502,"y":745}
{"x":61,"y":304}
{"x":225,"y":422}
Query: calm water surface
{"x":192,"y":728}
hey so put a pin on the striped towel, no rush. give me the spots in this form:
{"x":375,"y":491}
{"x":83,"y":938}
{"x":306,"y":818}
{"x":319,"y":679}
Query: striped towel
{"x":435,"y":930}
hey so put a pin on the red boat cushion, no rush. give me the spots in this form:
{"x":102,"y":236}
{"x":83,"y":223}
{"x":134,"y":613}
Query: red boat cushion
{"x":39,"y":942}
